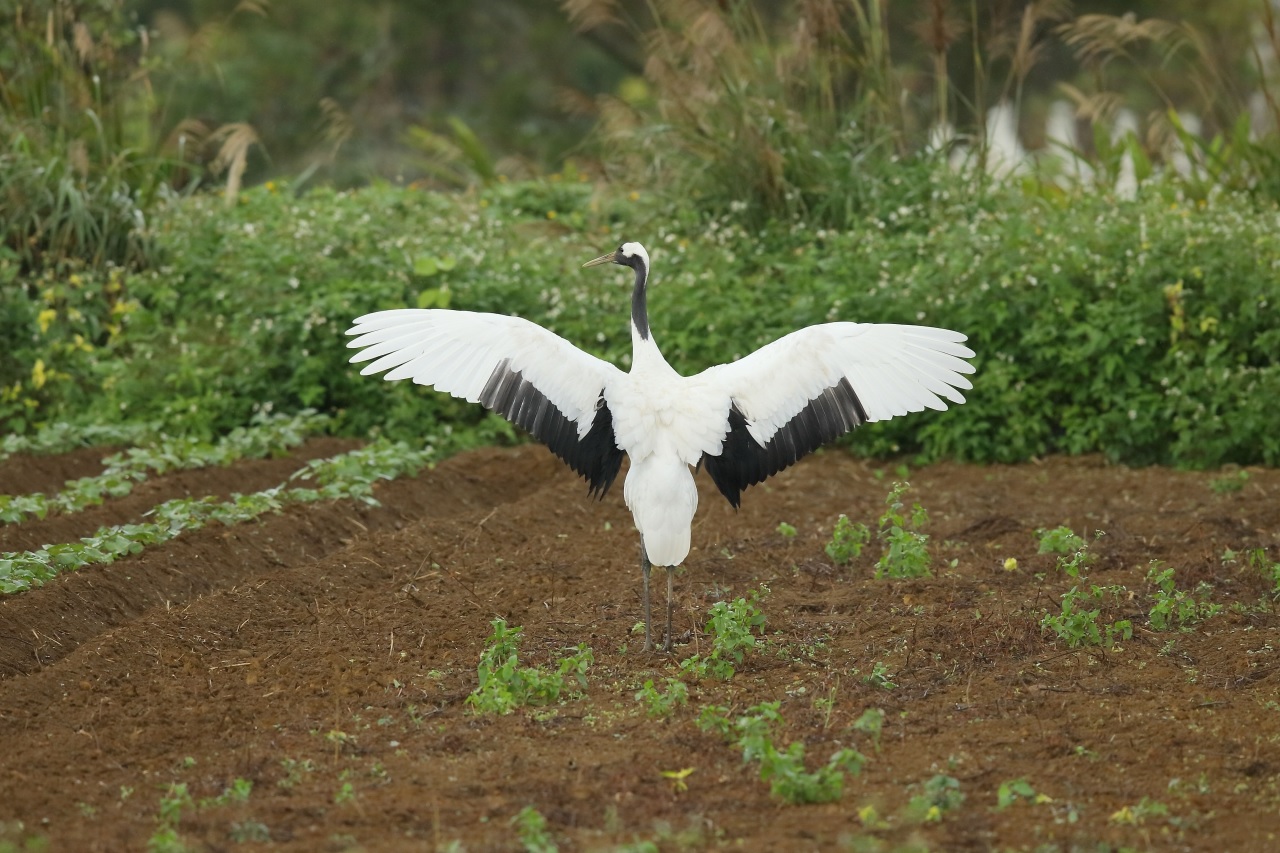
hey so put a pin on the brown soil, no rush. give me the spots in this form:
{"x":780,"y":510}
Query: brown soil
{"x":324,"y":655}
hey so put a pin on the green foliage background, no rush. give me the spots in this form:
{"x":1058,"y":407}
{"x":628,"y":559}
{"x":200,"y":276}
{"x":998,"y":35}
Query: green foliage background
{"x":1144,"y":330}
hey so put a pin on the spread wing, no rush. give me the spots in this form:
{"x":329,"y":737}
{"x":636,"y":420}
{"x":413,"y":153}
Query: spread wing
{"x":792,"y":396}
{"x":532,"y":377}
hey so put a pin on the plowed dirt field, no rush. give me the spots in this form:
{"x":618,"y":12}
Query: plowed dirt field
{"x":324,"y":655}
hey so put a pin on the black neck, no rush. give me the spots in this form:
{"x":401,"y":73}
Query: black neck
{"x":639,"y":306}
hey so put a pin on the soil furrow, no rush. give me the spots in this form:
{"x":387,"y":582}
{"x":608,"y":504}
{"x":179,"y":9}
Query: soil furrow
{"x":43,"y":625}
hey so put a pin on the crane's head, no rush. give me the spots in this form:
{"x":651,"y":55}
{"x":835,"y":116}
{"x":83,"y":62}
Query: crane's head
{"x":628,"y":255}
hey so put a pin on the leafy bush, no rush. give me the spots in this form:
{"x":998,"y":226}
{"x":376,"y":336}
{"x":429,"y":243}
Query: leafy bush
{"x":1131,"y":329}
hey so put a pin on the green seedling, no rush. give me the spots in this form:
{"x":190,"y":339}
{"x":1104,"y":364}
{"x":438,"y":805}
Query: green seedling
{"x":531,"y":827}
{"x":786,"y":531}
{"x":662,"y":703}
{"x":847,"y":540}
{"x":731,"y":625}
{"x":1059,"y":540}
{"x":906,"y":555}
{"x":1082,"y":627}
{"x":783,"y":769}
{"x":1177,"y":608}
{"x":1140,"y":813}
{"x":1017,"y":791}
{"x":871,"y":723}
{"x":505,"y":685}
{"x":1229,"y":483}
{"x":941,"y":794}
{"x":880,"y":677}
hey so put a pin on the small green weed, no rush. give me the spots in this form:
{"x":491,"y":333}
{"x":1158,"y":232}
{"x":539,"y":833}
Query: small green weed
{"x":941,"y":794}
{"x":1059,"y":540}
{"x":1268,"y":568}
{"x":1140,"y":813}
{"x":784,"y":770}
{"x":847,"y":540}
{"x":871,"y":723}
{"x":1229,"y":483}
{"x":505,"y":686}
{"x":1175,"y":607}
{"x":1017,"y":791}
{"x":731,"y":625}
{"x":880,"y":677}
{"x":531,"y":826}
{"x":166,"y":838}
{"x":245,"y":831}
{"x":662,"y":703}
{"x":1080,"y":627}
{"x":293,"y":770}
{"x":786,"y":531}
{"x":906,"y":556}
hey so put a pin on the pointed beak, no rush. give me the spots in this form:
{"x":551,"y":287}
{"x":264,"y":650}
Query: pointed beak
{"x":603,"y":259}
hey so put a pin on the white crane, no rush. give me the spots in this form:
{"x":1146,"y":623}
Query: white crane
{"x":742,"y":421}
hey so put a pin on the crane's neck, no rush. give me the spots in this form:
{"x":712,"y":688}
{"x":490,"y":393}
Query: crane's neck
{"x":645,"y":356}
{"x":640,"y":303}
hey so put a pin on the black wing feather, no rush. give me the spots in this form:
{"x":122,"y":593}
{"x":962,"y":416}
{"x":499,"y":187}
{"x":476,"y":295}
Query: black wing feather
{"x":744,"y":462}
{"x":595,"y":457}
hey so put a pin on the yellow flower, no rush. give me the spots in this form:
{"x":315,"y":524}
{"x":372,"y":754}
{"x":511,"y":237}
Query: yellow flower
{"x":37,"y":374}
{"x":1011,"y":564}
{"x":633,"y":195}
{"x":45,"y":318}
{"x":551,"y":214}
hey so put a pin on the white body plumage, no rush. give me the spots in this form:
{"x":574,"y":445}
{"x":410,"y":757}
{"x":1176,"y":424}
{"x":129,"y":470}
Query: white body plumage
{"x":742,"y":421}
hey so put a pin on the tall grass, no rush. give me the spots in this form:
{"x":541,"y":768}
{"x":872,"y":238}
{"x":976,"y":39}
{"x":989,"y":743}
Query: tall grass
{"x":831,"y":109}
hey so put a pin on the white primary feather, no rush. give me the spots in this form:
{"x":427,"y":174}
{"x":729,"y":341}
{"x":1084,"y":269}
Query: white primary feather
{"x":893,"y":370}
{"x":458,"y":351}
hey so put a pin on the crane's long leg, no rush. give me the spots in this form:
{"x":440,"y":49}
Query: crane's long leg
{"x":666,"y":646}
{"x":644,"y":569}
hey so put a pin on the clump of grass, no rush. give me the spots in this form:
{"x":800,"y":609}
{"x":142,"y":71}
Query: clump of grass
{"x":505,"y":685}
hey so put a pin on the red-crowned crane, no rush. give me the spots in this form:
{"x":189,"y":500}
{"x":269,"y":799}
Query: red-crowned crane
{"x":742,"y":421}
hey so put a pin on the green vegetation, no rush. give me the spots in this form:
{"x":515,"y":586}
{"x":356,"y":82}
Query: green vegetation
{"x":939,"y":795}
{"x":905,"y":555}
{"x":661,"y":703}
{"x":730,"y":624}
{"x":1060,"y":540}
{"x":531,"y":826}
{"x":504,"y":685}
{"x":346,"y":476}
{"x":267,"y":435}
{"x":847,"y":540}
{"x":784,"y":770}
{"x":1178,"y":608}
{"x":1079,"y":626}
